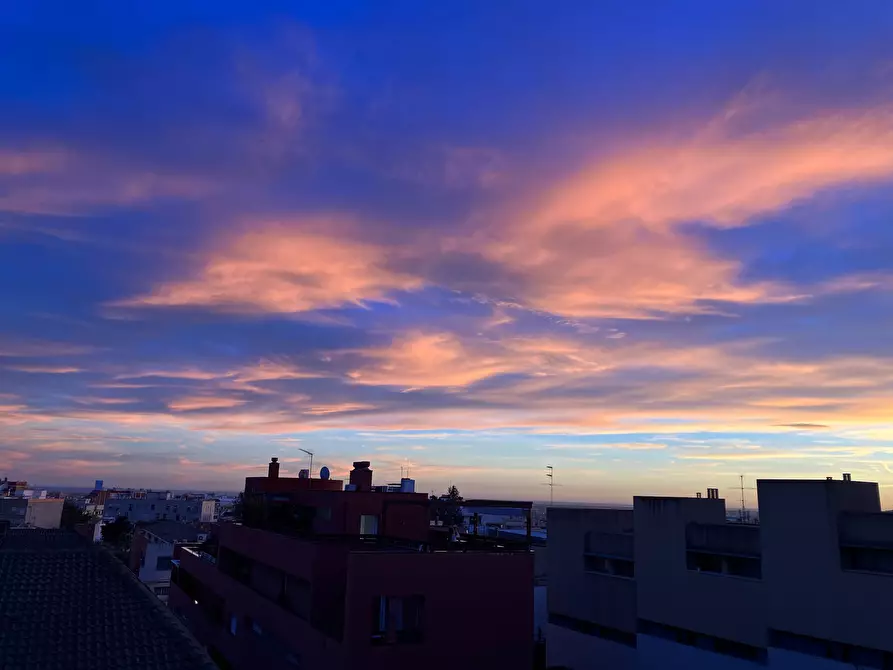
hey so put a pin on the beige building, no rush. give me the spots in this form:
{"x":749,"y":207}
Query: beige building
{"x":44,"y":512}
{"x":672,"y":584}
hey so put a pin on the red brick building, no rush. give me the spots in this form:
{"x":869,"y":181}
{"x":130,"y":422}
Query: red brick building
{"x":320,"y":577}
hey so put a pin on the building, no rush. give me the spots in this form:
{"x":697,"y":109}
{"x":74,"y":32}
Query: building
{"x":44,"y":512}
{"x":672,"y":584}
{"x":319,"y":575}
{"x":67,"y":604}
{"x":145,"y":506}
{"x":152,"y":548}
{"x":21,"y":512}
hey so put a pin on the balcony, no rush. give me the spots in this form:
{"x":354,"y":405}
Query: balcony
{"x":727,"y":539}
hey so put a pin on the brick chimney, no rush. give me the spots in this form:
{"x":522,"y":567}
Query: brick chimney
{"x":361,"y":476}
{"x":273,"y":470}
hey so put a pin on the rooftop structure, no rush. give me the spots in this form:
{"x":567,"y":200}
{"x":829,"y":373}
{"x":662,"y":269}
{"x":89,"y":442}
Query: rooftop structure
{"x":152,"y":548}
{"x":671,"y":583}
{"x":66,"y":605}
{"x":319,"y":577}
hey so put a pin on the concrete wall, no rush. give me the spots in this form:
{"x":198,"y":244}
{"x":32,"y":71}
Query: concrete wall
{"x":809,"y":594}
{"x":732,"y":608}
{"x":579,"y":651}
{"x":602,"y":599}
{"x":44,"y":513}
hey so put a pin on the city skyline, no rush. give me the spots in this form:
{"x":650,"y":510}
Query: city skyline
{"x":647,"y":245}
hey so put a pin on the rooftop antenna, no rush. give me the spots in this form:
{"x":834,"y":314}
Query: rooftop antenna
{"x":310,"y":454}
{"x":550,"y":475}
{"x":743,"y":515}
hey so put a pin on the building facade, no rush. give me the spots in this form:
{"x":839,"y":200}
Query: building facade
{"x":671,"y":584}
{"x":149,"y":506}
{"x":23,"y":512}
{"x":317,"y":576}
{"x":152,"y":548}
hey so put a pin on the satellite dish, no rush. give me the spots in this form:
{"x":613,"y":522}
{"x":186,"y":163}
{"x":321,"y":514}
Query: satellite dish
{"x":324,"y":473}
{"x":304,"y":474}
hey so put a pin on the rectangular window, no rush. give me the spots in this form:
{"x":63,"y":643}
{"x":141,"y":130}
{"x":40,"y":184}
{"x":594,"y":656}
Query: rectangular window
{"x":368,"y":524}
{"x":152,"y":507}
{"x":397,"y":620}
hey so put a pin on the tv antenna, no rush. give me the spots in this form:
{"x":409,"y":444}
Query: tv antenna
{"x":550,"y":475}
{"x":743,"y":514}
{"x":310,"y":454}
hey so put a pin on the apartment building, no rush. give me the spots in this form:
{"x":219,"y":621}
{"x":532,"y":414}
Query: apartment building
{"x":319,"y":575}
{"x":672,"y":584}
{"x":152,"y":548}
{"x":145,"y":506}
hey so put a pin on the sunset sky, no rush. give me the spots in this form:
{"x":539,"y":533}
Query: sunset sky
{"x":648,"y":243}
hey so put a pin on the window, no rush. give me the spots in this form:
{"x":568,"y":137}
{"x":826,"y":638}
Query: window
{"x":130,"y":507}
{"x":397,"y":620}
{"x":163,"y":563}
{"x":152,"y":507}
{"x":233,"y":624}
{"x":368,"y":524}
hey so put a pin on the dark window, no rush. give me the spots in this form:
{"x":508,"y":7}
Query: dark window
{"x":867,"y":559}
{"x":722,"y":564}
{"x":589,"y":628}
{"x":152,"y":507}
{"x":163,"y":563}
{"x":397,"y":620}
{"x":296,"y":596}
{"x":616,"y":567}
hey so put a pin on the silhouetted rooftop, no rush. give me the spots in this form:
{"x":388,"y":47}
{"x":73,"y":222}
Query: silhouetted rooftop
{"x":68,"y":605}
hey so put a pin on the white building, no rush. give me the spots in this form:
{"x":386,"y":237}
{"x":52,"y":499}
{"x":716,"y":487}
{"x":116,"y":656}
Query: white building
{"x":152,"y":548}
{"x":671,"y":584}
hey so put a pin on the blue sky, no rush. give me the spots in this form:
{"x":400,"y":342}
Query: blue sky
{"x":647,"y":244}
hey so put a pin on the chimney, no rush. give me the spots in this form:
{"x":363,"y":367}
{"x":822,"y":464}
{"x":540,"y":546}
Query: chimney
{"x":361,"y":476}
{"x":713,"y":494}
{"x":273,"y":470}
{"x":847,"y":477}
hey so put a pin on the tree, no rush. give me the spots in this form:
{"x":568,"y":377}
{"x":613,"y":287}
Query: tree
{"x":116,"y":532}
{"x":447,"y":509}
{"x":72,"y":515}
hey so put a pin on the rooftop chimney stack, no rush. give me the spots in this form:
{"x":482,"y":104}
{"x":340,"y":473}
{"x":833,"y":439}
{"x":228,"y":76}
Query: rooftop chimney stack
{"x":713,"y":494}
{"x":847,"y":477}
{"x":273,"y":471}
{"x":361,"y":476}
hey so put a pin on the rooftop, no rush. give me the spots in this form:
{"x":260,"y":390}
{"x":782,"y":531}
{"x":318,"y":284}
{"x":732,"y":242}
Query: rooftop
{"x":173,"y":531}
{"x":65,"y":604}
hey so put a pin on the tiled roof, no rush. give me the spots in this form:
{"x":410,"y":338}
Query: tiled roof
{"x":67,"y":605}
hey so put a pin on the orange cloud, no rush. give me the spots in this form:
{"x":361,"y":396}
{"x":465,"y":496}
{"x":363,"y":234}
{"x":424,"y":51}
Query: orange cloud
{"x":46,"y":369}
{"x":17,"y":163}
{"x":726,"y":177}
{"x":203,"y":402}
{"x":287,"y":269}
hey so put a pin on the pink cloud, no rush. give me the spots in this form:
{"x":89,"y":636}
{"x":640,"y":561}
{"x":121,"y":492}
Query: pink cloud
{"x":293,"y":268}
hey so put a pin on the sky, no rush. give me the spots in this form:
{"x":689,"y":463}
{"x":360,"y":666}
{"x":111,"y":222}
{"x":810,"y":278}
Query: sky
{"x":647,"y":243}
